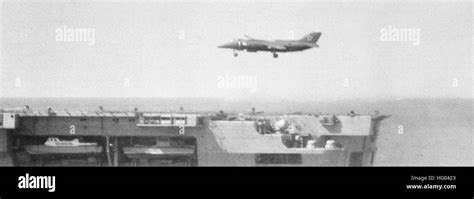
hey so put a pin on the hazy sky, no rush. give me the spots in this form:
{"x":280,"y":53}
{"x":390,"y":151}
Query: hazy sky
{"x":159,"y":49}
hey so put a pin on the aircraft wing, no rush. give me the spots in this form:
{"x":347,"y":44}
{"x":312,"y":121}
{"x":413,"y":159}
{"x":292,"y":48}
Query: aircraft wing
{"x":276,"y":47}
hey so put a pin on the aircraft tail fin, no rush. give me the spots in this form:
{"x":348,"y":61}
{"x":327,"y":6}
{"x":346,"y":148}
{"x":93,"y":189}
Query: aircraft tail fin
{"x":311,"y":38}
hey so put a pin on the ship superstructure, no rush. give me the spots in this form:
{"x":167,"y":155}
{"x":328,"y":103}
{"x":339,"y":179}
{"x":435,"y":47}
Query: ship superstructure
{"x":120,"y":138}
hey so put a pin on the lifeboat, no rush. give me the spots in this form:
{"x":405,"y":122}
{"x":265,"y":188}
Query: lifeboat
{"x":56,"y":146}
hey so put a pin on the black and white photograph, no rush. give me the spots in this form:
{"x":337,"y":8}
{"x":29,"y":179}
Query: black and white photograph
{"x":236,"y":83}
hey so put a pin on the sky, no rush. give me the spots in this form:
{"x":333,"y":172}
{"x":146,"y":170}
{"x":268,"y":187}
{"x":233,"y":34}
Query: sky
{"x":169,"y":49}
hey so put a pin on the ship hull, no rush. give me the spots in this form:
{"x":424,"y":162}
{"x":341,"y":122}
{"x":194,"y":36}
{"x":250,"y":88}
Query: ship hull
{"x":43,"y":149}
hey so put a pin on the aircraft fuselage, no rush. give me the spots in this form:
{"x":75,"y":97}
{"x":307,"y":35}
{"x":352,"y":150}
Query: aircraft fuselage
{"x":255,"y":45}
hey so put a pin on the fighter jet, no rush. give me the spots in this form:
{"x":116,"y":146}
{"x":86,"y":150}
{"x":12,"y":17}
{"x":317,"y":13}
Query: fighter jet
{"x":254,"y":45}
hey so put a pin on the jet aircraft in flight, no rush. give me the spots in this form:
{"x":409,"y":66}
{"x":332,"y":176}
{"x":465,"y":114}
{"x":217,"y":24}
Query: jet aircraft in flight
{"x":254,"y":45}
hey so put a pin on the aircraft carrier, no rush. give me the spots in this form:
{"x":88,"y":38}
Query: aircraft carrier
{"x":135,"y":138}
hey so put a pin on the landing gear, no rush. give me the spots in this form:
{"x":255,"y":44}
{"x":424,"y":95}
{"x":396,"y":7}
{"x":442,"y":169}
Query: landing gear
{"x":235,"y":54}
{"x":275,"y":55}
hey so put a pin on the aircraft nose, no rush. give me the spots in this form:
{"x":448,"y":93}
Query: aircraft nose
{"x":228,"y":45}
